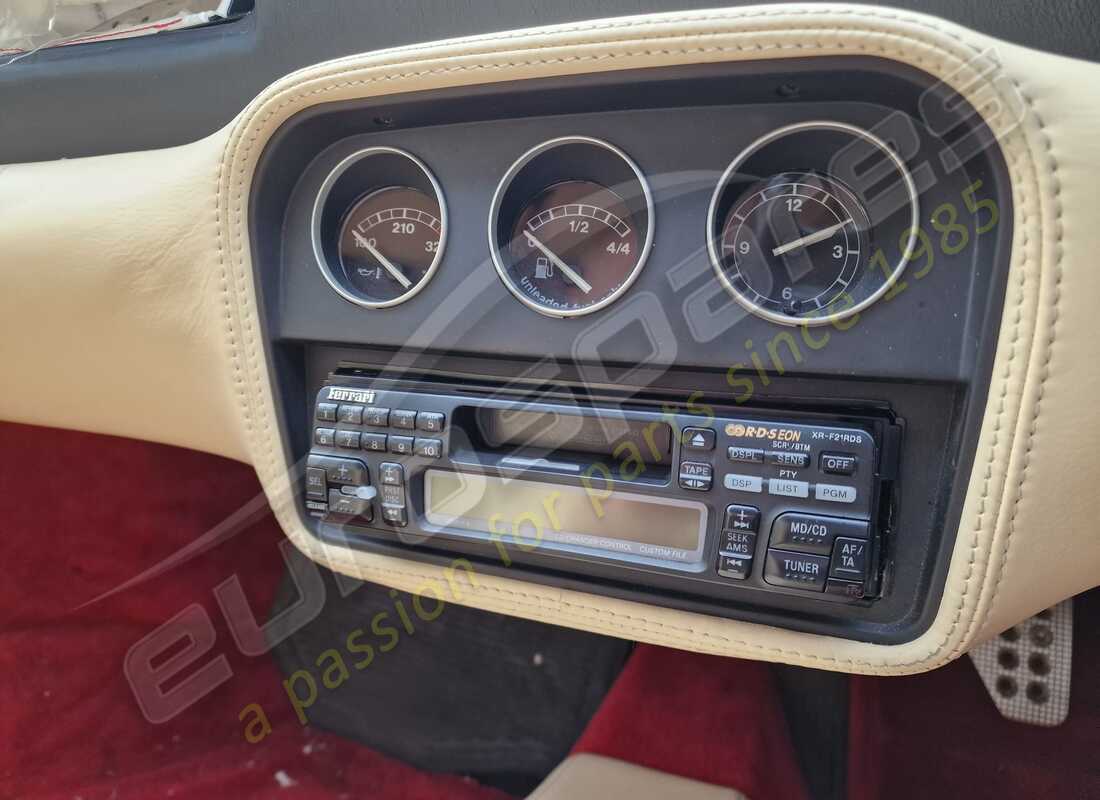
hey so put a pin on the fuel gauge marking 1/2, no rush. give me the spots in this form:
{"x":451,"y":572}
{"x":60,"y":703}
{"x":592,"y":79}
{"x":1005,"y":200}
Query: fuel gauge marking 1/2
{"x":571,"y":226}
{"x":571,"y":248}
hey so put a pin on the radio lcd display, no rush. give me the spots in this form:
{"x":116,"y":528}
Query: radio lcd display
{"x":531,"y":512}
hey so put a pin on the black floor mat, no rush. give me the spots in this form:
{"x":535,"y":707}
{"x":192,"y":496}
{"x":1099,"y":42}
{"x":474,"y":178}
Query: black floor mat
{"x":447,"y":688}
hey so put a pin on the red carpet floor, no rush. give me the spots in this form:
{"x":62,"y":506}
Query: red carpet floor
{"x":939,"y":735}
{"x":81,"y":515}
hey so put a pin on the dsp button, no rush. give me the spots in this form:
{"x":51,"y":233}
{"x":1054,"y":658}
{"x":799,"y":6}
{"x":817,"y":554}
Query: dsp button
{"x":796,"y":570}
{"x":808,"y":533}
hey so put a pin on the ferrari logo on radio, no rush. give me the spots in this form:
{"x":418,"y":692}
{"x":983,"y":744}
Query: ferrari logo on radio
{"x":352,"y":395}
{"x":740,"y":430}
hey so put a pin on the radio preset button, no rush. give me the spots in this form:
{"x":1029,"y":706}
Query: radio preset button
{"x":849,"y":559}
{"x":326,"y":412}
{"x":745,"y":455}
{"x":349,"y":440}
{"x":783,"y":458}
{"x":401,"y":445}
{"x":744,"y":483}
{"x":350,"y":415}
{"x":834,"y":494}
{"x":325,"y":437}
{"x":429,"y":421}
{"x":796,"y":570}
{"x":316,"y":488}
{"x":375,"y":442}
{"x":838,"y":463}
{"x":807,"y":533}
{"x":376,"y":417}
{"x":786,"y":488}
{"x":428,"y":448}
{"x":696,"y":476}
{"x":734,"y":567}
{"x":401,"y":418}
{"x":390,"y":474}
{"x":698,"y":438}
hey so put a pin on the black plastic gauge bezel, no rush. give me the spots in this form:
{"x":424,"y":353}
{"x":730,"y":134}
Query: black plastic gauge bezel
{"x":888,"y":197}
{"x":568,"y":158}
{"x":355,"y":178}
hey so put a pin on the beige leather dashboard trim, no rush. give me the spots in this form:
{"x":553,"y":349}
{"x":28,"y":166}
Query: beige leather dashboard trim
{"x":586,"y":776}
{"x":1026,"y":538}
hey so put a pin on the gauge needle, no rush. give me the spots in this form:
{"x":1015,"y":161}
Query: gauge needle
{"x":391,"y":268}
{"x":809,"y":239}
{"x":569,"y":272}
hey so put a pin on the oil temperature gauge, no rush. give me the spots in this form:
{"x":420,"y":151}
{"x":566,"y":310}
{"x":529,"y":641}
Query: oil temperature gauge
{"x":571,"y":226}
{"x":379,"y":227}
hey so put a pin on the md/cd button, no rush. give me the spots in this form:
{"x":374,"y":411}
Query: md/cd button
{"x":808,"y":533}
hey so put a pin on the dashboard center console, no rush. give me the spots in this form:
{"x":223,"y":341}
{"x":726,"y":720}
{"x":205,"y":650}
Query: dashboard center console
{"x":715,"y":338}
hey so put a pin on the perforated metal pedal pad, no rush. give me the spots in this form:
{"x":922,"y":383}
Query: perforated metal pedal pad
{"x":1027,"y":668}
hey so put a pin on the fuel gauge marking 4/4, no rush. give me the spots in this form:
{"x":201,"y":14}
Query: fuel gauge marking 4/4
{"x":571,"y":226}
{"x":571,"y":247}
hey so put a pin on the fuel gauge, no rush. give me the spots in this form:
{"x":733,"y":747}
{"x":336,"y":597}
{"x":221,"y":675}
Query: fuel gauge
{"x":571,"y":226}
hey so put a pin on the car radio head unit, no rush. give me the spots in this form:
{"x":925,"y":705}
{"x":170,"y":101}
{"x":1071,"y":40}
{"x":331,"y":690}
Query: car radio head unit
{"x":691,"y":499}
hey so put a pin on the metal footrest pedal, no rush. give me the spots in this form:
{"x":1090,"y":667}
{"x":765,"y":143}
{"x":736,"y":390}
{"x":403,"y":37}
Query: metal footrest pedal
{"x":1027,"y":668}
